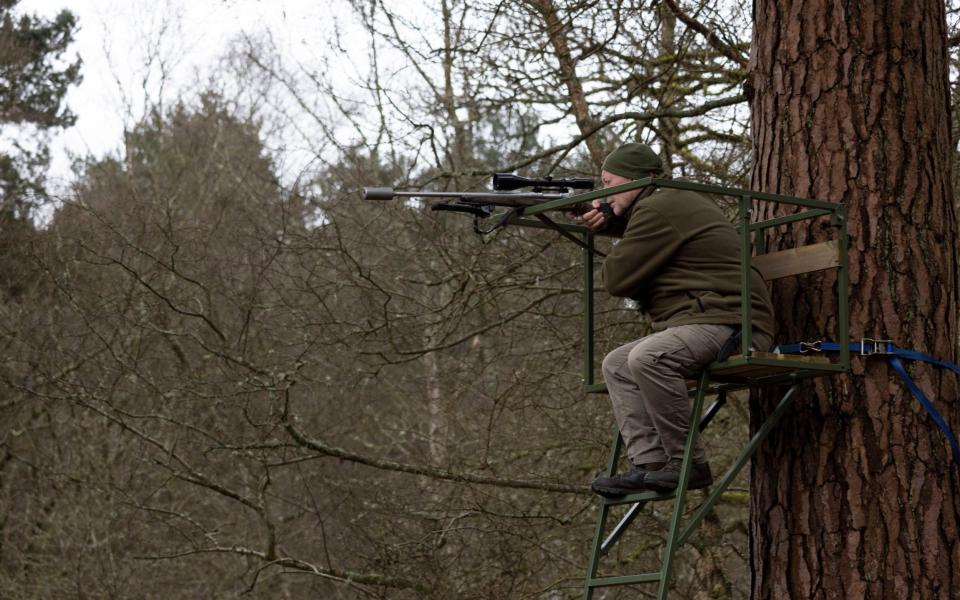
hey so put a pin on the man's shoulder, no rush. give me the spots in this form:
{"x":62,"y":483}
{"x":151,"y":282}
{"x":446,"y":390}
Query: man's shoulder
{"x":673,"y":203}
{"x":670,"y":197}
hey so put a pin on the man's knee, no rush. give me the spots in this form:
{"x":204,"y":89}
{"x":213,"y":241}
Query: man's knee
{"x":608,"y":366}
{"x":613,"y":363}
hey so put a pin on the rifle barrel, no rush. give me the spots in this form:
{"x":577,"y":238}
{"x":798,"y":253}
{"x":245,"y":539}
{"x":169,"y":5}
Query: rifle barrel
{"x":497,"y":198}
{"x":377,"y":193}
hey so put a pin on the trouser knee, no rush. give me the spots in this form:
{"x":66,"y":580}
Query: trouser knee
{"x":609,"y":365}
{"x":613,"y":363}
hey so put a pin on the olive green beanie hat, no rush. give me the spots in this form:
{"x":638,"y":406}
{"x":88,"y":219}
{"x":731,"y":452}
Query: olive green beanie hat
{"x":633,"y":161}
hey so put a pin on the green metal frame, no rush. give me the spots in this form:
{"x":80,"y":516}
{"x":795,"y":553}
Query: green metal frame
{"x":815,"y":209}
{"x":679,"y":532}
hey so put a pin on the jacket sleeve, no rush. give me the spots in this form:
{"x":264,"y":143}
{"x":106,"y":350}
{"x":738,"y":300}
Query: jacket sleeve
{"x":647,"y":245}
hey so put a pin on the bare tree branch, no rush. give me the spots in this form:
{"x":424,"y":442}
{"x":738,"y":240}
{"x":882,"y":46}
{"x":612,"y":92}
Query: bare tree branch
{"x":388,"y":465}
{"x":711,"y":36}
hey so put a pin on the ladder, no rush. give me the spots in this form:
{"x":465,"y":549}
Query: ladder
{"x":680,"y":532}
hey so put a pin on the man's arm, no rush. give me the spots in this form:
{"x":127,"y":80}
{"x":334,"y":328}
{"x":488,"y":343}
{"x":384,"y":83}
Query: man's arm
{"x":648,"y":243}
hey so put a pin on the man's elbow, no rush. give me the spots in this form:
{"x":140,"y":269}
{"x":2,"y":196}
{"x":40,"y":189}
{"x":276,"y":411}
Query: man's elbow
{"x":618,"y":289}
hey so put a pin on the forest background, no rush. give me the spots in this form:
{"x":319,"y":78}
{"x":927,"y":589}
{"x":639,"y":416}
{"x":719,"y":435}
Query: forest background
{"x":223,"y":374}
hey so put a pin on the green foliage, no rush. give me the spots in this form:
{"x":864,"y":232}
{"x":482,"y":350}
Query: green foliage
{"x":34,"y":79}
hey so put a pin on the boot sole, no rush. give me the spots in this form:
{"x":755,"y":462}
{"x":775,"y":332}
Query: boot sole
{"x":691,"y":485}
{"x":612,"y":492}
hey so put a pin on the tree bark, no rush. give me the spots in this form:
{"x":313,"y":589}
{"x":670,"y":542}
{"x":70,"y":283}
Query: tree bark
{"x":437,"y":417}
{"x":854,"y":496}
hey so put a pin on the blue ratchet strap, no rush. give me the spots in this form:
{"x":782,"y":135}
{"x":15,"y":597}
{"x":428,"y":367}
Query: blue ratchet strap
{"x":867,"y":347}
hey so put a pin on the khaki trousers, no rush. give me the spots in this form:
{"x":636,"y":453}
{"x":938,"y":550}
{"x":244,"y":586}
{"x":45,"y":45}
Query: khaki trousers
{"x":646,"y":380}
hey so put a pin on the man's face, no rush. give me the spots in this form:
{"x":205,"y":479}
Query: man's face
{"x":622,"y":201}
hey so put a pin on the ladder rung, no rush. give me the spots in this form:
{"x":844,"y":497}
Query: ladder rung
{"x":625,"y":579}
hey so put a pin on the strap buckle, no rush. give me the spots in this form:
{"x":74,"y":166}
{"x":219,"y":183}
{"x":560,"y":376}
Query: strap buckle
{"x":877,"y":346}
{"x":816,"y":346}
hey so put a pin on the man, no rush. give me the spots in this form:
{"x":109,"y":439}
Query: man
{"x":679,"y":259}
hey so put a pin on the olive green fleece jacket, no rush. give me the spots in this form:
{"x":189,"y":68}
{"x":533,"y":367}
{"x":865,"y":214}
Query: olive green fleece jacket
{"x":680,"y":259}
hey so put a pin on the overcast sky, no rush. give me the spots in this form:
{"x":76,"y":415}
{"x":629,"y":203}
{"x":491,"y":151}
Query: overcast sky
{"x":115,"y":37}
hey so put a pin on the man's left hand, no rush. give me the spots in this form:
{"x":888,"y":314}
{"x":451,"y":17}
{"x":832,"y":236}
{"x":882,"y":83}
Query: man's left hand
{"x":599,"y":216}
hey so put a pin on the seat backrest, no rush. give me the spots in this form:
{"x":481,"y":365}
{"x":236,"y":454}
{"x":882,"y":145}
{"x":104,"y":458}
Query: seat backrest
{"x":795,"y":261}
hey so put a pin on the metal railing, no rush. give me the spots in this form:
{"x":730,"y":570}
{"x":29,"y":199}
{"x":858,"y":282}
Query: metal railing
{"x":812,"y":209}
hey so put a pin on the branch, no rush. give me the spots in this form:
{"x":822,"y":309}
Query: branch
{"x":483,"y":329}
{"x":672,"y":113}
{"x":433,"y":472}
{"x":712,"y":38}
{"x":298,"y":565}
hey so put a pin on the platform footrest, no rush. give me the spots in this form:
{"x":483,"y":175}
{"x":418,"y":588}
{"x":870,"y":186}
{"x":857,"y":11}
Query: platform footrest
{"x":626,"y":579}
{"x":640,"y":497}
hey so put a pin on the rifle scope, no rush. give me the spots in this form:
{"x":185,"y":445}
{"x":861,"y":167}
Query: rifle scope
{"x":508,"y":181}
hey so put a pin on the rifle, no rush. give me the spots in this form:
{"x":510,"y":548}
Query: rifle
{"x":482,"y":204}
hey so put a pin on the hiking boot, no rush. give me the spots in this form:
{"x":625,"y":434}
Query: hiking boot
{"x":666,"y":479}
{"x":622,"y":484}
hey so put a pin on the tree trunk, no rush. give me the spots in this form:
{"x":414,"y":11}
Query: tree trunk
{"x":460,"y":155}
{"x":579,"y":106}
{"x":669,"y":126}
{"x":436,"y":423}
{"x":854,"y":496}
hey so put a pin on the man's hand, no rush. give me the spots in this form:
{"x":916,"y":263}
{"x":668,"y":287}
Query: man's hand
{"x":599,"y":216}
